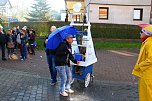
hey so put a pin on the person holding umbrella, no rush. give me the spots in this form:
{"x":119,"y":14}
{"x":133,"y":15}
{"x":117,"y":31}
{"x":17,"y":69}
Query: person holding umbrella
{"x":62,"y":62}
{"x":50,"y":59}
{"x":143,"y":67}
{"x":60,"y":41}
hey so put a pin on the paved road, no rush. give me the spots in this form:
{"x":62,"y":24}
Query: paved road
{"x":22,"y":86}
{"x":115,"y":65}
{"x":119,"y":66}
{"x":29,"y":80}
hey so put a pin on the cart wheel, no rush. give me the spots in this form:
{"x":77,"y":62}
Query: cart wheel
{"x":72,"y":81}
{"x":87,"y":80}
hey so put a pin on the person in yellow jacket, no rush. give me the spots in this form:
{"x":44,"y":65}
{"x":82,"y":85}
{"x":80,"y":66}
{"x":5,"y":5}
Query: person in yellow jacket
{"x":143,"y":67}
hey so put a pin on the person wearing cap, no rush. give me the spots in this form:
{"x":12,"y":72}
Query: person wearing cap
{"x":3,"y":41}
{"x":143,"y":67}
{"x":62,"y":61}
{"x":51,"y":59}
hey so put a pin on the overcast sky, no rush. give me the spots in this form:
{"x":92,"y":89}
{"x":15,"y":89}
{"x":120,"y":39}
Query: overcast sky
{"x":54,"y":4}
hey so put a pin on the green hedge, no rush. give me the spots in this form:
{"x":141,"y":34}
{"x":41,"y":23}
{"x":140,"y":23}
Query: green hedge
{"x":114,"y":31}
{"x":41,"y":28}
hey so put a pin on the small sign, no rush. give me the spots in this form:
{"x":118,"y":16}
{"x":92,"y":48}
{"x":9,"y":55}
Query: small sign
{"x":12,"y":20}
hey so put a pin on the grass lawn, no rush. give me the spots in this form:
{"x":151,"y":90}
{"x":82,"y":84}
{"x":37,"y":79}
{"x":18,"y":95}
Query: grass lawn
{"x":116,"y":45}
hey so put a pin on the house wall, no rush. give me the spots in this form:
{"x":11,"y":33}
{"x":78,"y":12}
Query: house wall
{"x":120,"y":11}
{"x":125,"y":2}
{"x":118,"y":14}
{"x":7,"y":10}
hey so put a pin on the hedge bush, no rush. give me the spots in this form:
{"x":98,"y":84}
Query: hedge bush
{"x":114,"y":31}
{"x":41,"y":28}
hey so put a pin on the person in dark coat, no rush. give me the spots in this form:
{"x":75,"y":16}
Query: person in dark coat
{"x":24,"y":44}
{"x":3,"y":41}
{"x":63,"y":55}
{"x":31,"y":39}
{"x":11,"y":41}
{"x":18,"y":40}
{"x":14,"y":32}
{"x":18,"y":30}
{"x":51,"y":59}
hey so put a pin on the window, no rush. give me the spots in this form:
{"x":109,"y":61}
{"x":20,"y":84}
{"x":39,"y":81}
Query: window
{"x":103,"y":12}
{"x":138,"y":14}
{"x":76,"y":18}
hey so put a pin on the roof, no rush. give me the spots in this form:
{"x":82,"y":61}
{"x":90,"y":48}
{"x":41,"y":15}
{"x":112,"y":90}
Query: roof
{"x":3,"y":3}
{"x":75,"y":0}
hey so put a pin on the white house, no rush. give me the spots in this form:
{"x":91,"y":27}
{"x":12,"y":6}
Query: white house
{"x":5,"y":8}
{"x":63,"y":15}
{"x":119,"y":11}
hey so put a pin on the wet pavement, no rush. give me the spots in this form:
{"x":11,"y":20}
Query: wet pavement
{"x":29,"y":80}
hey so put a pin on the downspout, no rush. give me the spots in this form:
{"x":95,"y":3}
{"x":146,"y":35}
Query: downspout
{"x":66,"y":9}
{"x":65,"y":5}
{"x":88,"y":9}
{"x":151,"y":13}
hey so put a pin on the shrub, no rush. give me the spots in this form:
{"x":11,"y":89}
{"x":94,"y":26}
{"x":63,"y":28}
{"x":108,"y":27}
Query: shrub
{"x":41,"y":28}
{"x":114,"y":31}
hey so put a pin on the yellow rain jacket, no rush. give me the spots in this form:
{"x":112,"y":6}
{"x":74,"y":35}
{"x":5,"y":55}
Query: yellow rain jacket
{"x":143,"y":69}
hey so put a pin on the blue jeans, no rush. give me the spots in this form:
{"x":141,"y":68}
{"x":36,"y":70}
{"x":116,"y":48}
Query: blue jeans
{"x":65,"y":76}
{"x":24,"y":52}
{"x":52,"y":69}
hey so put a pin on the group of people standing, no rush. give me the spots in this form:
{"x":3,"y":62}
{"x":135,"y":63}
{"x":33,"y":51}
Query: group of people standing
{"x":59,"y":61}
{"x":22,"y":39}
